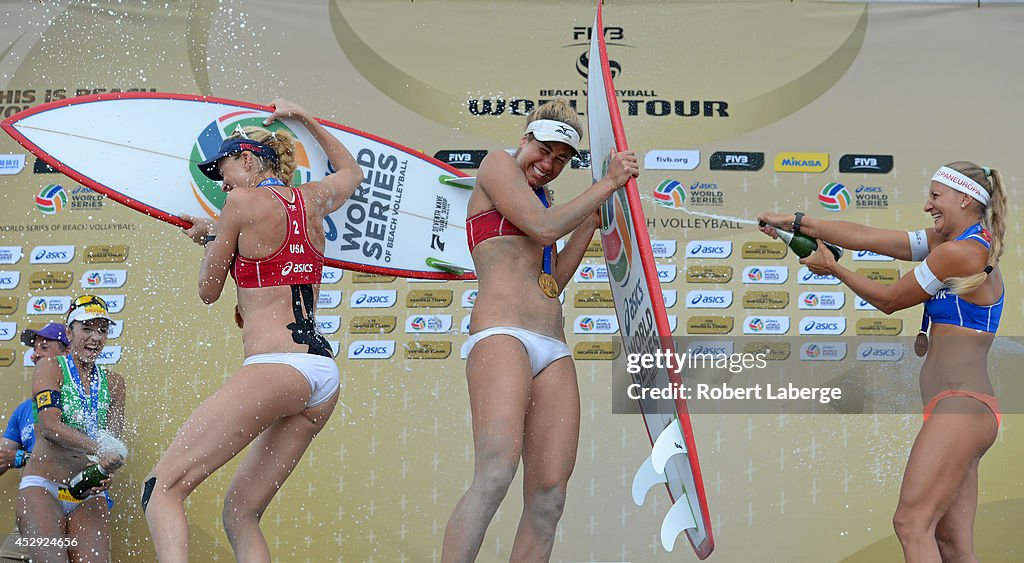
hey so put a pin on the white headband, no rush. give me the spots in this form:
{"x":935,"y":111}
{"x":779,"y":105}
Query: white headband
{"x":551,"y":130}
{"x":961,"y":183}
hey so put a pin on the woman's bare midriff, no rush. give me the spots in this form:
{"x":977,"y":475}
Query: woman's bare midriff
{"x":507,"y":269}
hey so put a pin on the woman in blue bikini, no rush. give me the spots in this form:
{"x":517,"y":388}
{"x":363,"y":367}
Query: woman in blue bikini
{"x":522,"y":382}
{"x":961,"y":287}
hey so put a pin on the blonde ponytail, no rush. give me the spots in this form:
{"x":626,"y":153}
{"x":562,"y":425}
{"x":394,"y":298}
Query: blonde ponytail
{"x":993,"y":219}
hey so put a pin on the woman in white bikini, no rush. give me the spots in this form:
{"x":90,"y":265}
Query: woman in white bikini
{"x":270,"y":238}
{"x":522,"y":382}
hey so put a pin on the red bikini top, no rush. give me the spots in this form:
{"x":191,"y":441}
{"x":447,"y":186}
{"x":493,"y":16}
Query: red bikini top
{"x":489,"y":224}
{"x":297,"y":262}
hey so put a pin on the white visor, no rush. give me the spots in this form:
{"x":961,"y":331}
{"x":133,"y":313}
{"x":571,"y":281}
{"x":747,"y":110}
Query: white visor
{"x":550,"y":130}
{"x":961,"y":183}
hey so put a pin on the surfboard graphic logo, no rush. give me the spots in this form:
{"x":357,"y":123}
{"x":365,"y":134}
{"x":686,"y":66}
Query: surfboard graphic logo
{"x":615,"y":228}
{"x":51,"y":199}
{"x":207,"y":192}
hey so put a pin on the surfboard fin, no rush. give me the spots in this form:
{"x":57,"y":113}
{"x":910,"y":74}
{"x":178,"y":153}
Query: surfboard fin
{"x":669,"y":443}
{"x":645,"y":478}
{"x":447,"y":267}
{"x":679,"y":518}
{"x":458,"y":181}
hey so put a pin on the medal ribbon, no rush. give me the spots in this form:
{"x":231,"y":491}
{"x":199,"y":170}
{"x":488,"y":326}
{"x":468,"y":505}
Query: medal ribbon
{"x":90,"y":408}
{"x":548,"y":250}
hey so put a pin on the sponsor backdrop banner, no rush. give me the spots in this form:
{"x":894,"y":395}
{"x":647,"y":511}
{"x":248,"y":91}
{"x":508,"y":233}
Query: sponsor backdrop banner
{"x":845,"y":112}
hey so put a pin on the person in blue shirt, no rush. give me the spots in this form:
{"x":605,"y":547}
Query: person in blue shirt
{"x":20,"y":437}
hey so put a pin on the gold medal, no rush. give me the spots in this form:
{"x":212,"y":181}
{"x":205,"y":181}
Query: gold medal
{"x":548,"y":285}
{"x":921,"y":344}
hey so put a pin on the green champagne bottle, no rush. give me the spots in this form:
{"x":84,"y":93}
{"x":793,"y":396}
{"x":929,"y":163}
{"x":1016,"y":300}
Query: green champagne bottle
{"x":90,"y":477}
{"x":804,"y":245}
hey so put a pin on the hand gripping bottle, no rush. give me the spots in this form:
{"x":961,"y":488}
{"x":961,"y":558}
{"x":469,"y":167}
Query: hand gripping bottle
{"x":803,"y":245}
{"x":90,"y":477}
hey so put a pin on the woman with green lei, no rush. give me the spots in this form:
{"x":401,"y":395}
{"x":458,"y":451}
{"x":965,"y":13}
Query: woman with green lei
{"x":79,"y":418}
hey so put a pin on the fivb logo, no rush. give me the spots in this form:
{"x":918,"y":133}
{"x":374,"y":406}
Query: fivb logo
{"x":666,"y":273}
{"x":104,"y":278}
{"x":880,"y":352}
{"x":669,"y":296}
{"x":596,"y":324}
{"x":470,"y":158}
{"x":736,"y":161}
{"x":59,"y":254}
{"x":823,"y":325}
{"x":708,"y":299}
{"x":469,"y":298}
{"x":374,"y":299}
{"x":868,"y":256}
{"x":823,"y":351}
{"x":10,"y":254}
{"x":866,"y":163}
{"x":114,"y":303}
{"x":329,"y":299}
{"x":428,"y":324}
{"x":765,"y":325}
{"x":8,"y":330}
{"x":663,"y":248}
{"x":371,"y":349}
{"x":109,"y":355}
{"x":829,"y":300}
{"x":9,"y":280}
{"x":328,"y":324}
{"x":807,"y":277}
{"x":331,"y":275}
{"x":592,"y":273}
{"x":715,"y":348}
{"x":765,"y":274}
{"x":709,"y":249}
{"x":48,"y":305}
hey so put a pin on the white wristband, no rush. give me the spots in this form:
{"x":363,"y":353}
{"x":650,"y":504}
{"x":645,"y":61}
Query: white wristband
{"x":929,"y":283}
{"x":918,"y":245}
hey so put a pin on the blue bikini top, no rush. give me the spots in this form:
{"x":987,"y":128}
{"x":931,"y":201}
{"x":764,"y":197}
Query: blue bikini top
{"x":947,"y":308}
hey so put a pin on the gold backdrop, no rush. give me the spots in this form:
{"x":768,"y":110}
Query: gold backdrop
{"x":924,"y":85}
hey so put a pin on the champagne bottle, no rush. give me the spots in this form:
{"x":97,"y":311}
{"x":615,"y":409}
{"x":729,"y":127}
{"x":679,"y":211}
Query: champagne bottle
{"x":804,"y":245}
{"x":90,"y":477}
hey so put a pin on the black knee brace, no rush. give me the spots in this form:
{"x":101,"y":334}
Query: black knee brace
{"x":147,"y":491}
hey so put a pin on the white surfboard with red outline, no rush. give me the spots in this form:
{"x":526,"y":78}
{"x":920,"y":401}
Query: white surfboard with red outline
{"x":140,"y":150}
{"x":643,"y":322}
